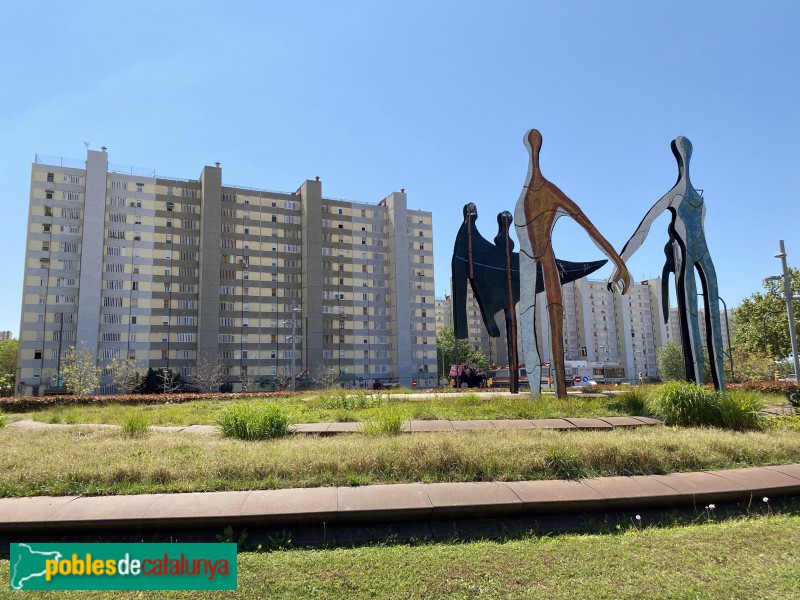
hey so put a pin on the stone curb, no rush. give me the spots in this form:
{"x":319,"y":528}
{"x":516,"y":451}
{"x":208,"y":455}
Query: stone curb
{"x":392,"y":503}
{"x":413,"y":426}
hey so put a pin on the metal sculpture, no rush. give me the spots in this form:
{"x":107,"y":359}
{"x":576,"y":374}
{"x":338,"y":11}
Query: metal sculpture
{"x":687,"y":251}
{"x":492,"y":271}
{"x":540,"y":205}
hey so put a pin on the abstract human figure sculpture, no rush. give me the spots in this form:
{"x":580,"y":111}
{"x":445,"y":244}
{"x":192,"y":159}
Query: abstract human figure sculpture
{"x":492,"y":271}
{"x":689,"y":252}
{"x":540,"y":205}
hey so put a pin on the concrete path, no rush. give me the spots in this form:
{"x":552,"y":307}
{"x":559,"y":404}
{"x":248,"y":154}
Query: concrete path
{"x":413,"y":426}
{"x":401,"y":503}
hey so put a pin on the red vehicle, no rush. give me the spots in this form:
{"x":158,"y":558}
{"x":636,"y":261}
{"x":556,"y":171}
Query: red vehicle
{"x":467,"y":375}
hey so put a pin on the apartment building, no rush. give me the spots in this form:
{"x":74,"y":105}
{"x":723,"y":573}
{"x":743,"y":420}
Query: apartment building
{"x":607,"y":337}
{"x":170,"y":271}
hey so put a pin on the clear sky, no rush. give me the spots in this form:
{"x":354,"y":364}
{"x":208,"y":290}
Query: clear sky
{"x":429,"y":96}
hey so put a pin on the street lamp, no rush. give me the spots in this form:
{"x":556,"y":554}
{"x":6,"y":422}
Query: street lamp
{"x":787,"y":292}
{"x":243,"y":263}
{"x":293,"y":323}
{"x":339,"y":306}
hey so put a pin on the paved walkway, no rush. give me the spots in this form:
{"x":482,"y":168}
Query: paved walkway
{"x":401,"y":503}
{"x":413,"y":426}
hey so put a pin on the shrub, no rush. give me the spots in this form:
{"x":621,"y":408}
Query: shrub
{"x":741,"y":409}
{"x":633,"y":401}
{"x":385,"y":421}
{"x":250,"y":421}
{"x":688,"y":404}
{"x":135,"y":424}
{"x":3,"y":420}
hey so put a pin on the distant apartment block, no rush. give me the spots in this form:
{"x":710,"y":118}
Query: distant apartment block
{"x":607,"y":336}
{"x":167,"y":271}
{"x":727,"y":326}
{"x":5,"y":335}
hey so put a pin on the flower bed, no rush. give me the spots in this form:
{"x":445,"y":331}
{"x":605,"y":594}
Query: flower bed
{"x":21,"y":404}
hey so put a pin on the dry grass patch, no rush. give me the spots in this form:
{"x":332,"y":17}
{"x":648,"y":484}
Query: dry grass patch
{"x":90,"y":461}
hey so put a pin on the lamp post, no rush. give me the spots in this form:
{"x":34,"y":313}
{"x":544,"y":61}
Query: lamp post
{"x":787,"y":293}
{"x":339,"y":307}
{"x":293,"y":323}
{"x":243,"y":264}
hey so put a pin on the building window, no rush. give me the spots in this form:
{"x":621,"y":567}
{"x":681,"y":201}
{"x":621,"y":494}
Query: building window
{"x":50,"y":177}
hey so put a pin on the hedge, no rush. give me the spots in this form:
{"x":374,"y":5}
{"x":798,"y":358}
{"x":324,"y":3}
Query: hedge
{"x":21,"y":404}
{"x":780,"y":388}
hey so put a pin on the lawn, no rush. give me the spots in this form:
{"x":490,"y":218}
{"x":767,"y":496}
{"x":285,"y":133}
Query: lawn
{"x":755,"y":557}
{"x":84,"y":460}
{"x":339,"y":406}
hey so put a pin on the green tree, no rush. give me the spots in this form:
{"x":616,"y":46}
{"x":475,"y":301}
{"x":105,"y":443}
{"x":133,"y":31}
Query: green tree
{"x":669,"y":359}
{"x":126,"y":375}
{"x":446,"y":355}
{"x":8,"y":366}
{"x":80,"y":371}
{"x":766,"y":309}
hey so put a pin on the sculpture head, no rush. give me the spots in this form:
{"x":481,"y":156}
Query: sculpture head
{"x":533,"y":142}
{"x":682,"y":149}
{"x":470,"y":211}
{"x":504,"y":219}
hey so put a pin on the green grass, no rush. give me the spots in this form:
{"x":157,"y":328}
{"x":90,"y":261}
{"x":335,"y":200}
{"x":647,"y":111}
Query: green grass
{"x":254,"y":421}
{"x":754,"y":557}
{"x":100,"y":461}
{"x":387,"y":422}
{"x":3,"y":420}
{"x":690,"y":405}
{"x":633,"y":401}
{"x":353,"y":406}
{"x":135,"y":425}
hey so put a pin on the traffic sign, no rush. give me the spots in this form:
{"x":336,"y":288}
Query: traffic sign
{"x":576,"y":379}
{"x":585,"y":379}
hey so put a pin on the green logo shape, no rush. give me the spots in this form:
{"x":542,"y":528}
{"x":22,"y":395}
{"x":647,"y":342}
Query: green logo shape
{"x":123,"y":566}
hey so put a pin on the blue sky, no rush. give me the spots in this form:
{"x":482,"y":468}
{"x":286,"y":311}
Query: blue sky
{"x":433,"y":97}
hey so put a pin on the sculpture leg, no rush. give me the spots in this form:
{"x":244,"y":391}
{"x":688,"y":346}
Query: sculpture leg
{"x":692,"y":342}
{"x":555,"y":314}
{"x":511,"y":348}
{"x":527,"y":320}
{"x":708,"y":279}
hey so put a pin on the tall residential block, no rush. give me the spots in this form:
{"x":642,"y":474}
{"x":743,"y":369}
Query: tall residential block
{"x":170,"y":271}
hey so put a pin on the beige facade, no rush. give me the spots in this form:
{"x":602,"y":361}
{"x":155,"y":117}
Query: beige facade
{"x":168,"y":271}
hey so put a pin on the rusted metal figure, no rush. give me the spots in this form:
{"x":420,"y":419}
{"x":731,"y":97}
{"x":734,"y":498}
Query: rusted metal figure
{"x":540,"y":205}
